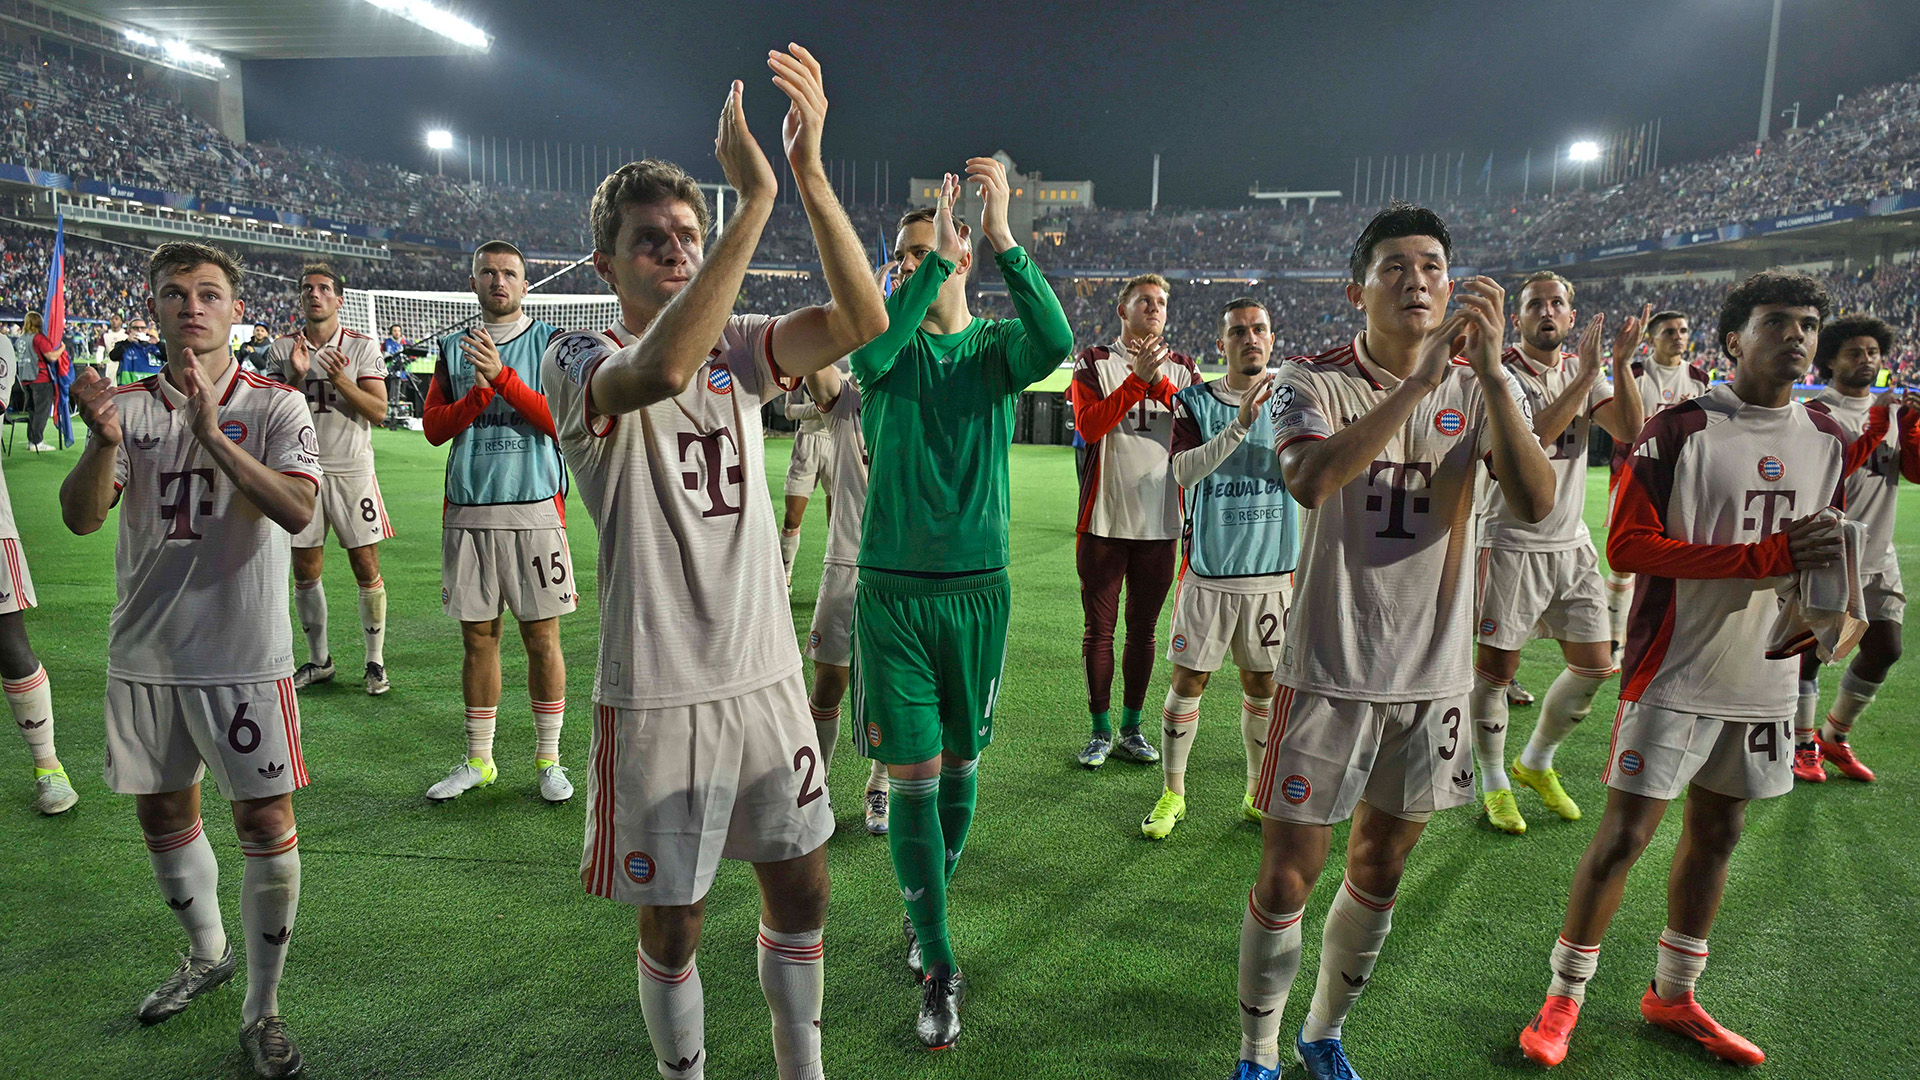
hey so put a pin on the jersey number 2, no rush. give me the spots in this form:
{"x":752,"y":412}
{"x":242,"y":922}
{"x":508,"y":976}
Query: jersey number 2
{"x":809,"y":791}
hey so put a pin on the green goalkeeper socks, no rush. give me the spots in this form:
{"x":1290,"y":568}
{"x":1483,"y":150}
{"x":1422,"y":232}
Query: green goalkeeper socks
{"x":1102,"y":725}
{"x":1129,"y":720}
{"x":959,"y":791}
{"x":913,"y":836}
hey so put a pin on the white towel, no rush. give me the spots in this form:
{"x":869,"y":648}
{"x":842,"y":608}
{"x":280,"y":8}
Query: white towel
{"x":1822,"y":609}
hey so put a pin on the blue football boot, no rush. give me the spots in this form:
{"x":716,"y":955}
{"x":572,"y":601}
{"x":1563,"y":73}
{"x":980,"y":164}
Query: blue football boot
{"x":1325,"y":1060}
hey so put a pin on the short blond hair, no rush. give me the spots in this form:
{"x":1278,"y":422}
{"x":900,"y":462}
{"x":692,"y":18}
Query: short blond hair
{"x":1546,"y":275}
{"x":1132,"y":283}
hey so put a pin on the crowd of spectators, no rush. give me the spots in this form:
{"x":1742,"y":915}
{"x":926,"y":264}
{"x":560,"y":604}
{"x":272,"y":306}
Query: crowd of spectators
{"x":89,"y":122}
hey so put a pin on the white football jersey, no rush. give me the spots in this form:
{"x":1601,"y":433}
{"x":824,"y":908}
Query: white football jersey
{"x":1383,"y":598}
{"x":1662,"y":386}
{"x":1708,"y":483}
{"x":201,"y":572}
{"x":693,"y":597}
{"x":1126,"y":492}
{"x":846,"y":476}
{"x":346,"y":439}
{"x":1564,"y":527}
{"x":1873,"y":488}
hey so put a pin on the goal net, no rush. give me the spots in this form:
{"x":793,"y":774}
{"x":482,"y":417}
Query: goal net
{"x":372,"y":311}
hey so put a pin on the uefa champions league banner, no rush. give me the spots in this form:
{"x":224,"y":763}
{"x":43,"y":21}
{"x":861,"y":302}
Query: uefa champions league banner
{"x":20,"y":174}
{"x":1814,"y":217}
{"x":137,"y":194}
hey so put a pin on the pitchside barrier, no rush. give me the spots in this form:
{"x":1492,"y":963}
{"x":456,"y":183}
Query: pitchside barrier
{"x":420,"y":314}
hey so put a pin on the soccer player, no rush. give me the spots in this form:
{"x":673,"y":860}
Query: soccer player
{"x":21,"y":674}
{"x":1243,"y":541}
{"x":806,"y":470}
{"x":345,"y":380}
{"x":1122,"y":398}
{"x":1378,"y":440}
{"x":930,"y":610}
{"x":830,"y":638}
{"x":1705,"y":516}
{"x":1849,"y":358}
{"x":1665,"y":379}
{"x":1545,"y":574}
{"x":503,"y":539}
{"x":702,"y":748}
{"x":212,"y":469}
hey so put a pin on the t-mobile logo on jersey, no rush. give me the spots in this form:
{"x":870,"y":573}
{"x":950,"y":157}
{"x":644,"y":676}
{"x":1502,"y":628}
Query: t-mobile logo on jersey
{"x":1767,"y":518}
{"x":715,"y":476}
{"x":179,"y":508}
{"x":1395,"y":500}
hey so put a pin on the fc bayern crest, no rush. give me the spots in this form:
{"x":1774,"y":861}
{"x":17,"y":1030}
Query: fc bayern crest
{"x":873,"y":734}
{"x":639,"y":867}
{"x":1179,"y":643}
{"x":1631,"y":762}
{"x":1448,"y":422}
{"x":1296,"y":789}
{"x":1488,"y":626}
{"x":719,"y":379}
{"x":813,"y":638}
{"x":235,"y":430}
{"x":1771,"y":468}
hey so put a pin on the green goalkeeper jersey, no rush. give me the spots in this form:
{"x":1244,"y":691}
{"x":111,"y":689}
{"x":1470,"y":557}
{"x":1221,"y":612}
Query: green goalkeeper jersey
{"x":937,"y":411}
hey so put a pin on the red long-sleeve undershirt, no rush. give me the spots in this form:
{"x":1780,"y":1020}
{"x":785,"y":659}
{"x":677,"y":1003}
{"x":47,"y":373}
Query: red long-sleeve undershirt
{"x":1637,"y":542}
{"x":1094,"y":418}
{"x":444,"y":419}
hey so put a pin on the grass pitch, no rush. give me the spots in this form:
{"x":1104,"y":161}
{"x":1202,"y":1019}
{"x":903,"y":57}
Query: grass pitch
{"x":455,"y":940}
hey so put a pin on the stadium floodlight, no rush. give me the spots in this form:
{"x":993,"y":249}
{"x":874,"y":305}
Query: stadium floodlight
{"x":139,"y":38}
{"x":444,"y":23}
{"x":1584,"y":150}
{"x":439,"y":139}
{"x":184,"y":53}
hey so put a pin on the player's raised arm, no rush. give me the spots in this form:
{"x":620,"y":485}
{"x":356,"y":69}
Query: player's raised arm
{"x":814,"y":337}
{"x":89,"y":491}
{"x":1624,"y":416}
{"x":1044,"y":337}
{"x":286,"y":500}
{"x":913,"y":295}
{"x":1518,"y":463}
{"x":1551,"y":422}
{"x":677,"y":342}
{"x":1316,"y":469}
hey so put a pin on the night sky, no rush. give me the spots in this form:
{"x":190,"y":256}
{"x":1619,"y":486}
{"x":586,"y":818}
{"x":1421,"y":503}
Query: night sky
{"x":1286,"y":97}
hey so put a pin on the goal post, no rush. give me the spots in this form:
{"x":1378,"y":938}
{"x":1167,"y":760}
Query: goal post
{"x":372,"y":311}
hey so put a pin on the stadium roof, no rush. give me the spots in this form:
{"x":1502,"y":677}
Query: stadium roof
{"x":280,"y":29}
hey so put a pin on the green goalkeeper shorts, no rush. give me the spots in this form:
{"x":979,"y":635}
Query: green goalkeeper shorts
{"x":928,"y":655}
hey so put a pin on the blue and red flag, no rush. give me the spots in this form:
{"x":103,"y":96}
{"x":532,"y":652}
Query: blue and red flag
{"x":53,"y":327}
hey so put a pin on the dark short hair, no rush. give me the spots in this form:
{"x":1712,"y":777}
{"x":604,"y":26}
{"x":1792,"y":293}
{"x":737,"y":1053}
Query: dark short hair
{"x":176,"y":256}
{"x":1239,"y":302}
{"x":327,"y":271}
{"x":642,"y":183}
{"x":1769,"y":287}
{"x":918,"y":213}
{"x":1845,"y":329}
{"x":1662,"y":316}
{"x":1397,"y":220}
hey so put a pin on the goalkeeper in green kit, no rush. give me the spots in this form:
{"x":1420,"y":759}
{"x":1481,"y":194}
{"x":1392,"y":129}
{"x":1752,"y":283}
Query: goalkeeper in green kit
{"x":937,"y":393}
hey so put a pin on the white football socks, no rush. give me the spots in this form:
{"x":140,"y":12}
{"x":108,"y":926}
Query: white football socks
{"x":877,"y":779}
{"x":789,"y":547}
{"x":1489,"y":705}
{"x":1805,"y":707}
{"x":1679,"y":964}
{"x":310,"y":603}
{"x":1573,"y":967}
{"x":269,"y":897}
{"x":1269,"y":960}
{"x":792,"y":977}
{"x":480,"y":723}
{"x":1178,"y":719}
{"x":1619,"y":603}
{"x":548,"y":718}
{"x":1256,"y":716}
{"x":189,"y":879}
{"x":31,"y":700}
{"x":373,"y":620}
{"x":1855,"y":695}
{"x":1357,"y":926}
{"x":1568,"y":702}
{"x":674,"y":1008}
{"x":826,"y":730}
